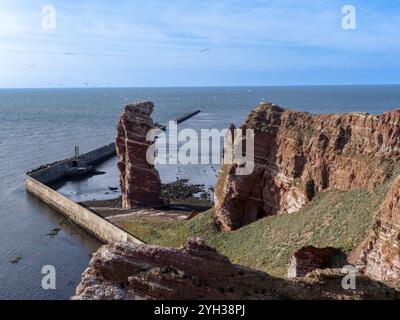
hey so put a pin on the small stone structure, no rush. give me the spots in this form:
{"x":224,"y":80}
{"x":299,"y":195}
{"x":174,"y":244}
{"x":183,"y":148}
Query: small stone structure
{"x":310,"y":258}
{"x":140,"y":181}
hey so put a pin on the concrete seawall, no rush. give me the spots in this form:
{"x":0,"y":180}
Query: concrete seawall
{"x":92,"y":223}
{"x":37,"y":184}
{"x":58,"y":171}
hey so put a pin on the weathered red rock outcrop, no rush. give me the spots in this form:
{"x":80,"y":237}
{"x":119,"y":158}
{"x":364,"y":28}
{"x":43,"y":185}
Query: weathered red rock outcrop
{"x":197,"y":271}
{"x":140,"y":181}
{"x":298,"y":154}
{"x":380,"y":256}
{"x":308,"y":259}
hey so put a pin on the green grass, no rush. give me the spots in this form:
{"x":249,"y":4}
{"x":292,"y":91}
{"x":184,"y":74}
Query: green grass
{"x":334,"y":218}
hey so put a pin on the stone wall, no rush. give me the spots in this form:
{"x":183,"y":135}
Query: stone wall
{"x":309,"y":258}
{"x":59,"y":171}
{"x":99,"y":155}
{"x":94,"y":224}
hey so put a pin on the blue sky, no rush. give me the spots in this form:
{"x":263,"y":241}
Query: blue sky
{"x":198,"y":43}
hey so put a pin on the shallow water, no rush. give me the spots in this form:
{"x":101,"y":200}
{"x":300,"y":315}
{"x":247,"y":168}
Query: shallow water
{"x":41,"y":126}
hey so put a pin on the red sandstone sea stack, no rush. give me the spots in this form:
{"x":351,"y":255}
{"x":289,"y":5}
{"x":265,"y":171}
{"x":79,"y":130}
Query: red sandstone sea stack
{"x":140,"y":181}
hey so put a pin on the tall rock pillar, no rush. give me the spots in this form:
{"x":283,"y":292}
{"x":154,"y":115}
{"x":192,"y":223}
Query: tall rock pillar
{"x":140,"y":181}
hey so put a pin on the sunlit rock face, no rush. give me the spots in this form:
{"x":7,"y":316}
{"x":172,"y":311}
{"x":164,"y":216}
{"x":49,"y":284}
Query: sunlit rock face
{"x":140,"y":181}
{"x":298,"y":155}
{"x":380,"y":256}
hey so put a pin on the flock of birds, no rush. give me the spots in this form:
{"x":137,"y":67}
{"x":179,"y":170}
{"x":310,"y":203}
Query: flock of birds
{"x":69,"y":54}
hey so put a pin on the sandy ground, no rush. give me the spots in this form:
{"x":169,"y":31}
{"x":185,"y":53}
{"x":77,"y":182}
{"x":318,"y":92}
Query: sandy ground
{"x":179,"y":209}
{"x":101,"y":194}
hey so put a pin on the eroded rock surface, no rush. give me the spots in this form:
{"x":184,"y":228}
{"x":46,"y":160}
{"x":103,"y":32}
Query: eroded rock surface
{"x":380,"y":256}
{"x":298,"y":155}
{"x":140,"y":181}
{"x":197,"y":271}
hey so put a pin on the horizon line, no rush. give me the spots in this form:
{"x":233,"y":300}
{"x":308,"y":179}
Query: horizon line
{"x":200,"y":86}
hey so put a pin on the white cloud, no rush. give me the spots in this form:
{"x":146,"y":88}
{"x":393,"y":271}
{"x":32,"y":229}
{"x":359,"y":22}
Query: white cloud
{"x":10,"y":25}
{"x":146,"y":36}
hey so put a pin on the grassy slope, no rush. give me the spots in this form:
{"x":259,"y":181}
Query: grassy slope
{"x":335,"y":218}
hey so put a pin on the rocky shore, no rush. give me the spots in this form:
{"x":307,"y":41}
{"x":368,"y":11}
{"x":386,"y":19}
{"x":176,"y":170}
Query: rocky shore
{"x":184,"y":199}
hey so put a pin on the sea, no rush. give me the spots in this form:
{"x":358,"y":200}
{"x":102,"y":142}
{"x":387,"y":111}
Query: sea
{"x":39,"y":126}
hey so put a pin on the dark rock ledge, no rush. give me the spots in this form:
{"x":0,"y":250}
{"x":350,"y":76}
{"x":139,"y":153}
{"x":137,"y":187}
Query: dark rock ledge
{"x":197,"y":271}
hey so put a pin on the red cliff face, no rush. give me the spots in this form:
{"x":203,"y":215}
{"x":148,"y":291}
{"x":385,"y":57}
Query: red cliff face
{"x":140,"y":181}
{"x":197,"y":271}
{"x":380,"y":256}
{"x":298,"y":154}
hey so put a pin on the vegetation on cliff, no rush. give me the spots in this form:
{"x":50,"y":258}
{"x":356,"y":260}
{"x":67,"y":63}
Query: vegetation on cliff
{"x":340,"y":219}
{"x":297,"y":155}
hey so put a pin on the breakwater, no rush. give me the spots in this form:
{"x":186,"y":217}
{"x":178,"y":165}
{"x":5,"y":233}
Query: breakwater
{"x":97,"y":226}
{"x":48,"y":174}
{"x":37,"y":184}
{"x":182,"y":118}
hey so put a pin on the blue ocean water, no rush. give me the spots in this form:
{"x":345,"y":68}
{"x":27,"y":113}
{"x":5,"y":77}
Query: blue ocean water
{"x":43,"y":125}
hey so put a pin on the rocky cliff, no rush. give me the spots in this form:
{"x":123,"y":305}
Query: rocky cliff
{"x":380,"y":256}
{"x":197,"y":271}
{"x":298,"y":155}
{"x":140,"y":181}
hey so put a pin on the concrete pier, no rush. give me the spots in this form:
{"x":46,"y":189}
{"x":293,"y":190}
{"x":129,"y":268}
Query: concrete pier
{"x":181,"y":119}
{"x":97,"y":226}
{"x":37,"y":184}
{"x":51,"y":173}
